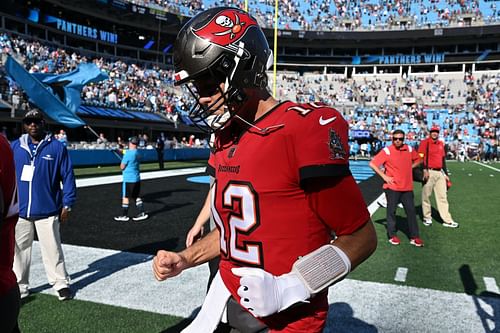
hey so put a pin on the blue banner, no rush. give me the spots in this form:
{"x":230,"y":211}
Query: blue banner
{"x":61,"y":98}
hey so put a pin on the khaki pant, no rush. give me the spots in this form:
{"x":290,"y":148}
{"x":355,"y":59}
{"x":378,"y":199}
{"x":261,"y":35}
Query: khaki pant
{"x":49,"y":238}
{"x":436,"y":182}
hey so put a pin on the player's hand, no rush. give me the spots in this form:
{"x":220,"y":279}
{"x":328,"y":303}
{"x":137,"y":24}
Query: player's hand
{"x":168,"y":264}
{"x":426,"y":175}
{"x":195,"y":233}
{"x":64,"y":217}
{"x":389,"y":180}
{"x":264,"y":294}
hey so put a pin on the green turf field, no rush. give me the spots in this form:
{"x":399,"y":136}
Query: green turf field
{"x":46,"y":314}
{"x":97,"y":171}
{"x":452,"y":260}
{"x":442,"y":263}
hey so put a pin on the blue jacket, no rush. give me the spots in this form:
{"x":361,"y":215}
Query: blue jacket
{"x":42,"y":196}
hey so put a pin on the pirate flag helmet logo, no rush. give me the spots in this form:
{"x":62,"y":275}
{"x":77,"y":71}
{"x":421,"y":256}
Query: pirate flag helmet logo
{"x":227,"y":27}
{"x":220,"y":52}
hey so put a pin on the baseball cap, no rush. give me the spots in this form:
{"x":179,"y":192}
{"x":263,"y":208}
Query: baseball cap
{"x":33,"y":114}
{"x":133,"y":140}
{"x":434,"y":128}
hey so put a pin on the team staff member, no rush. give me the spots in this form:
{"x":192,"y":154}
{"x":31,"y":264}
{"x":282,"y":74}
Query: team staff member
{"x":435,"y":178}
{"x":131,"y":187}
{"x":282,"y":184}
{"x":398,"y":161}
{"x":42,"y":163}
{"x":9,"y":209}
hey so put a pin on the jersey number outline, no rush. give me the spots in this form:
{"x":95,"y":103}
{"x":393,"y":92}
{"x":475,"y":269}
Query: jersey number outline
{"x":304,"y":111}
{"x":241,"y":199}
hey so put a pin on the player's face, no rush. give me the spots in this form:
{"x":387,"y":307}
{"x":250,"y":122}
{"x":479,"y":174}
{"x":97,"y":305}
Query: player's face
{"x":212,"y":96}
{"x":398,"y":140}
{"x":434,"y":135}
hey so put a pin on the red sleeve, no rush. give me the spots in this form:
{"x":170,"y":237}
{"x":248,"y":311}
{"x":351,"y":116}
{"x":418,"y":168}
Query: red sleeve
{"x":380,"y":158}
{"x":414,"y":155}
{"x":8,"y":179}
{"x":211,"y":165}
{"x":321,"y":143}
{"x":338,"y":203}
{"x":422,"y":147}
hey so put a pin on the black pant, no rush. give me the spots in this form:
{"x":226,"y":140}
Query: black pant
{"x":9,"y":310}
{"x":160,"y":158}
{"x":406,"y":198}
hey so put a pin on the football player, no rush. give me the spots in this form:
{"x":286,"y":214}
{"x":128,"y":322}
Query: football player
{"x":282,"y":184}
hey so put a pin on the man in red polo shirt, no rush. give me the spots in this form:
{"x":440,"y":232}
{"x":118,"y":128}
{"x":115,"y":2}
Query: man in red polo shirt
{"x":433,"y":153}
{"x":398,"y":161}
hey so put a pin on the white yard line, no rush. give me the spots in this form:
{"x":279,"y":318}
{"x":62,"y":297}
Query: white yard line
{"x":401,"y":273}
{"x":86,"y":182}
{"x":491,"y":285}
{"x":125,"y":279}
{"x":487,"y":166}
{"x":372,"y":208}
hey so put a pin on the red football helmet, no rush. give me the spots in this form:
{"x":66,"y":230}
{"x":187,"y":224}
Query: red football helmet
{"x":220,"y":45}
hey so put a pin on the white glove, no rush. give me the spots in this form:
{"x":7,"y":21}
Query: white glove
{"x":264,"y":294}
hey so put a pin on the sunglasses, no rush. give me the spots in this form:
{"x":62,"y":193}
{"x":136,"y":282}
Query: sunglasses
{"x":398,"y":139}
{"x":30,"y":121}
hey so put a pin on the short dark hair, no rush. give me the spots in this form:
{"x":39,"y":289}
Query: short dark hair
{"x":398,"y":131}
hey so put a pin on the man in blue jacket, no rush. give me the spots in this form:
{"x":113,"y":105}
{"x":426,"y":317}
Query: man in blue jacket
{"x":42,"y":164}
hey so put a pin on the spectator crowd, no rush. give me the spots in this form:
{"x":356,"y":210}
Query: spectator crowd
{"x":466,"y":107}
{"x":325,"y":15}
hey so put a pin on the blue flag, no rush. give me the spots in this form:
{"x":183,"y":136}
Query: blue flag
{"x":58,"y":96}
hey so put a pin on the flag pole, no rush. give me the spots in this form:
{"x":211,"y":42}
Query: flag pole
{"x":97,"y":136}
{"x":275,"y":49}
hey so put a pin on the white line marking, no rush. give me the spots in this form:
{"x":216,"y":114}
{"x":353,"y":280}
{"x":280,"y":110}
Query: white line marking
{"x":401,"y":274}
{"x":491,"y":285}
{"x":487,"y":166}
{"x":86,"y":182}
{"x":372,"y":208}
{"x":126,"y":280}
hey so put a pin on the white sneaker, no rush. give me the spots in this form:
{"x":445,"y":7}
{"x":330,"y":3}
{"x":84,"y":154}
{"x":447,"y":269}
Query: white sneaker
{"x":140,"y":217}
{"x":427,"y":222}
{"x":400,"y":205}
{"x":24,"y":294}
{"x":122,"y":218}
{"x":452,"y":224}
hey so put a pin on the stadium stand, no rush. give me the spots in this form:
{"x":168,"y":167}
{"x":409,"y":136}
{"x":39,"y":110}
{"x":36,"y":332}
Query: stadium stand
{"x":351,"y":15}
{"x":462,"y":99}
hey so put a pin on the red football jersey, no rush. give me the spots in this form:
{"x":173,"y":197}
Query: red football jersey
{"x":259,"y":204}
{"x":9,"y":216}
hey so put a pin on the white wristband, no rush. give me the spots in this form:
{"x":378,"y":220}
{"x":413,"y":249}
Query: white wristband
{"x":322,"y":267}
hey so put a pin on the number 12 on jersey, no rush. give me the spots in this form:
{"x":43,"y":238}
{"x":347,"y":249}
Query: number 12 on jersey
{"x":242,"y":202}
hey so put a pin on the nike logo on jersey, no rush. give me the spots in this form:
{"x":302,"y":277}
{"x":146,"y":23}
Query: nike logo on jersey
{"x":324,"y":122}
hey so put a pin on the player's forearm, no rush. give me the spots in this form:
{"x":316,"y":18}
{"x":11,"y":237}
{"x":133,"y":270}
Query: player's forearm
{"x":204,"y":250}
{"x":377,"y":170}
{"x":359,"y":245}
{"x":204,"y":214}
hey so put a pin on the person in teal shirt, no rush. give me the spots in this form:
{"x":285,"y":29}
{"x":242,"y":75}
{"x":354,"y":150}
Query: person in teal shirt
{"x":131,"y":187}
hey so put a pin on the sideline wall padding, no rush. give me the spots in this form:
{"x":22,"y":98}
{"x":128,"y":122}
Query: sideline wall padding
{"x":89,"y":157}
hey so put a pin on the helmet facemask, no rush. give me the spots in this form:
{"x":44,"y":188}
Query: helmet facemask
{"x":219,"y":53}
{"x":215,"y":115}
